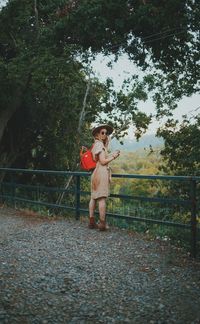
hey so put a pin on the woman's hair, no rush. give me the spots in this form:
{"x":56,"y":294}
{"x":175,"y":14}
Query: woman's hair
{"x":96,"y":136}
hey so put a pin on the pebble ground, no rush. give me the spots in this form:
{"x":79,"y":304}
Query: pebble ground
{"x":56,"y":270}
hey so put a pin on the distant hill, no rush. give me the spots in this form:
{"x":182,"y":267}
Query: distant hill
{"x":131,"y":145}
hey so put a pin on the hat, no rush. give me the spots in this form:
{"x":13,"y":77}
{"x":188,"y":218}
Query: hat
{"x":98,"y":128}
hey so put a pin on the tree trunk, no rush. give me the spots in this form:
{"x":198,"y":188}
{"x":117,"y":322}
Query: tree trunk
{"x":5,"y":116}
{"x":7,"y":113}
{"x":6,"y":160}
{"x":79,"y":130}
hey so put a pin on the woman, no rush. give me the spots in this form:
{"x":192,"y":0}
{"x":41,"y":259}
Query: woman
{"x":100,"y":180}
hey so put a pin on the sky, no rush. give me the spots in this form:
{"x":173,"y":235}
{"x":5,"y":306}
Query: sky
{"x":2,"y":2}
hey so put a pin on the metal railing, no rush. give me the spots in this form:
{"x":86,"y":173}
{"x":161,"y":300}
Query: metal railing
{"x":9,"y":191}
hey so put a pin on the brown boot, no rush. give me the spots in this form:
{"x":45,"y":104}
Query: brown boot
{"x":92,"y":224}
{"x":102,"y":226}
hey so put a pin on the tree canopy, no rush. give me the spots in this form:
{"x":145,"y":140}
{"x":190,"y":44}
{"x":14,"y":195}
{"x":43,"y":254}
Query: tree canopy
{"x":181,"y":151}
{"x":163,"y":34}
{"x":49,"y":96}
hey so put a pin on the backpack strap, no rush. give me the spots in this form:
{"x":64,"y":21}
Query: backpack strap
{"x":83,"y":149}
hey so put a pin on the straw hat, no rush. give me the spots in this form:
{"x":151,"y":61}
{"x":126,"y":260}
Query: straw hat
{"x":98,"y":128}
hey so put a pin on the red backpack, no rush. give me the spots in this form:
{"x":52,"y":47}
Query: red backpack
{"x":86,"y":160}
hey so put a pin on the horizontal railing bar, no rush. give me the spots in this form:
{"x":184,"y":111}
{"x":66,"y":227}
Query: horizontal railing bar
{"x":138,"y":219}
{"x":78,"y":173}
{"x":155,"y":177}
{"x":141,"y":198}
{"x":34,"y":202}
{"x":151,"y":199}
{"x":36,"y":187}
{"x":130,"y":218}
{"x":50,"y":172}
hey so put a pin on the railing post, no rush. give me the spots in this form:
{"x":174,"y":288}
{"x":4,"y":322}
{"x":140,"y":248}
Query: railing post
{"x":78,"y":197}
{"x":2,"y":187}
{"x":38,"y":196}
{"x":193,"y":219}
{"x":1,"y":191}
{"x":13,"y":188}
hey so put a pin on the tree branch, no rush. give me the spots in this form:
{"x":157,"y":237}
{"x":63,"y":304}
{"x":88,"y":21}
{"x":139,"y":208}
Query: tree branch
{"x":7,"y":113}
{"x":83,"y":112}
{"x":36,"y":16}
{"x":14,"y":40}
{"x":80,"y":124}
{"x":123,"y":128}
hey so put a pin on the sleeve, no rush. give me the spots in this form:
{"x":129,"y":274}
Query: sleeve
{"x":97,"y":148}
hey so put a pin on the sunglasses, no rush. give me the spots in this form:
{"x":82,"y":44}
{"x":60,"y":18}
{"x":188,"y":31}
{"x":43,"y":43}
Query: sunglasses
{"x":103,"y":133}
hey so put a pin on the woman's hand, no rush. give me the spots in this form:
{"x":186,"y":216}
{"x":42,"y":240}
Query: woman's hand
{"x":116,"y":154}
{"x":106,"y":142}
{"x":105,"y":160}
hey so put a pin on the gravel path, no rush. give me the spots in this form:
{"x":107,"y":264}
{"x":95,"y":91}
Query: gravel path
{"x":59,"y":271}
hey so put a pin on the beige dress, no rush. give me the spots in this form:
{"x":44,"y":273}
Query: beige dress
{"x":100,"y":179}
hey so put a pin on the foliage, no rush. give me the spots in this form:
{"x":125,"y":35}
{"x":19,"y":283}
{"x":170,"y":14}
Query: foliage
{"x":45,"y":48}
{"x":163,"y":34}
{"x":181,"y":150}
{"x":43,"y":86}
{"x":139,"y":162}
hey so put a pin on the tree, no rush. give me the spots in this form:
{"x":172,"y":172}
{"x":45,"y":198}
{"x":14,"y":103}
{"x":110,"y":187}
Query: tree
{"x":181,"y":151}
{"x":44,"y":51}
{"x":161,"y":37}
{"x":159,"y":34}
{"x":43,"y":87}
{"x":42,"y":91}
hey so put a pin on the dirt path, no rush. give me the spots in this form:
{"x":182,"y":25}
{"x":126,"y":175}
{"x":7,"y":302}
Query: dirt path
{"x":59,"y":271}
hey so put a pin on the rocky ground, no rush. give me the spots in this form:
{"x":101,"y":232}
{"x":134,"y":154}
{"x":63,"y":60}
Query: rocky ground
{"x":55,"y":270}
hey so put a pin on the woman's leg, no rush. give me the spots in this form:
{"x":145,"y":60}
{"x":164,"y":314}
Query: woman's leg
{"x":92,"y":206}
{"x":102,"y":209}
{"x":102,"y":214}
